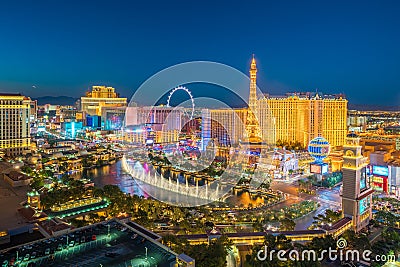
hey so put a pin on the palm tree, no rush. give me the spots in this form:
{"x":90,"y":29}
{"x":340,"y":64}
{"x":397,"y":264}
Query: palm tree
{"x":287,"y":224}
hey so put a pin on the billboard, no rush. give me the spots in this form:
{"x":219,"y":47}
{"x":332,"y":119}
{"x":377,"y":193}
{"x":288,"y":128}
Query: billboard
{"x":364,"y":204}
{"x":324,"y":168}
{"x":315,"y":168}
{"x":319,"y":168}
{"x":380,"y":170}
{"x":369,"y":170}
{"x":149,"y":141}
{"x":114,"y":121}
{"x":363,"y":179}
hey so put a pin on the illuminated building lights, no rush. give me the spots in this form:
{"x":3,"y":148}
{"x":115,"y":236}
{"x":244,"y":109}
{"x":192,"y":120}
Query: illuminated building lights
{"x":101,"y":96}
{"x":14,"y":126}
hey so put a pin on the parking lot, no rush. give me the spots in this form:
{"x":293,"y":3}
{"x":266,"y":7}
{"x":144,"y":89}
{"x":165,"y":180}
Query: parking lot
{"x":106,"y":244}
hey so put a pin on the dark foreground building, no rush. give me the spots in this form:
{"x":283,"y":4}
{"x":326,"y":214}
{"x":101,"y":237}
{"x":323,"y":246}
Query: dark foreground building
{"x":111,"y":243}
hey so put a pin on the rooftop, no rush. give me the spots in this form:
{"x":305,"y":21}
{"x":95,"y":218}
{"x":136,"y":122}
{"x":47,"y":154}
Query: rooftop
{"x":10,"y":94}
{"x":18,"y":176}
{"x":337,"y":224}
{"x":78,"y":209}
{"x":111,"y":243}
{"x":30,"y":214}
{"x":143,"y":230}
{"x":52,"y":226}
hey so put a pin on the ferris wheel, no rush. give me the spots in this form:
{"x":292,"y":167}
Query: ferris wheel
{"x":190,"y":113}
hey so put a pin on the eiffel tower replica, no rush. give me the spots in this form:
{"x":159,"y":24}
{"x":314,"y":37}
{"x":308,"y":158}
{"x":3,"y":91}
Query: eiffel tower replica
{"x":253,"y":131}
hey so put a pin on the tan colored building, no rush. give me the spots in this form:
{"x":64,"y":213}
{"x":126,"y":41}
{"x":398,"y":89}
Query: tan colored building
{"x":381,"y":138}
{"x":296,"y":117}
{"x":302,"y":117}
{"x":16,"y":179}
{"x":335,"y":159}
{"x":101,"y":96}
{"x":14,"y":123}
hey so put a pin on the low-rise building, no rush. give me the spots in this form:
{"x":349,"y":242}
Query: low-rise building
{"x":392,"y":139}
{"x":52,"y":150}
{"x":54,"y":227}
{"x":16,"y":179}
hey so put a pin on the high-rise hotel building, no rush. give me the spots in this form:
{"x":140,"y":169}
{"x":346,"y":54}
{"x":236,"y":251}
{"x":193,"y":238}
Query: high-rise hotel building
{"x":294,"y":117}
{"x":101,"y":96}
{"x":154,"y":124}
{"x":303,"y":116}
{"x":226,"y":126}
{"x":14,"y":123}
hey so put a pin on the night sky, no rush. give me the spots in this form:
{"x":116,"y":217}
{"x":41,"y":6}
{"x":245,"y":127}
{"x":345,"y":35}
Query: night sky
{"x":63,"y":47}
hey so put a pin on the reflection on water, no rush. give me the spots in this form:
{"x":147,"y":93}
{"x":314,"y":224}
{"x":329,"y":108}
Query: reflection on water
{"x":244,"y":199}
{"x":112,"y":174}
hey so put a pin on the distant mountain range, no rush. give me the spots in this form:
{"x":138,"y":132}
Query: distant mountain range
{"x":56,"y":100}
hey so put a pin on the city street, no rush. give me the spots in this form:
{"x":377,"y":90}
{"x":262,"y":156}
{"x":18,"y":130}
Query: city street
{"x":328,"y":199}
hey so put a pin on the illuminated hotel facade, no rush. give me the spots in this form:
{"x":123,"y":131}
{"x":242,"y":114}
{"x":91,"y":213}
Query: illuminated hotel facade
{"x":296,"y":117}
{"x":153,"y":124}
{"x":356,"y":191}
{"x":14,"y":123}
{"x":101,"y":96}
{"x":302,"y":117}
{"x":160,"y":117}
{"x":227,"y":125}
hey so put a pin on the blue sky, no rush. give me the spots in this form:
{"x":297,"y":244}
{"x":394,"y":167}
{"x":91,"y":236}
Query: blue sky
{"x":63,"y":47}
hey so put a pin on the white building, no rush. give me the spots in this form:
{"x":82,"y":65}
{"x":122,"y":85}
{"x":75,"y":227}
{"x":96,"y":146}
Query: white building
{"x":394,"y":178}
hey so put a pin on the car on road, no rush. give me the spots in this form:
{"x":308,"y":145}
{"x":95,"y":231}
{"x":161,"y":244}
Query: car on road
{"x":47,"y":251}
{"x":27,"y":257}
{"x":93,"y":237}
{"x":72,"y":243}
